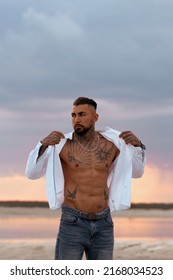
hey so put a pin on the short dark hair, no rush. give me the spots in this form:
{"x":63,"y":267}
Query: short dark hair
{"x":85,"y":100}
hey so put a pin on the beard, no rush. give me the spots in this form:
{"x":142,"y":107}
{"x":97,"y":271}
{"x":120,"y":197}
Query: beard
{"x":82,"y":131}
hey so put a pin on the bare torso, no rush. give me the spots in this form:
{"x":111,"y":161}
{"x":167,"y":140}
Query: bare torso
{"x":85,"y":174}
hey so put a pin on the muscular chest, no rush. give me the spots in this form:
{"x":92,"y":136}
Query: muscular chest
{"x":75,"y":157}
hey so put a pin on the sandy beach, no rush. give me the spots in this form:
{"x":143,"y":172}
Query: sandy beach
{"x":125,"y":248}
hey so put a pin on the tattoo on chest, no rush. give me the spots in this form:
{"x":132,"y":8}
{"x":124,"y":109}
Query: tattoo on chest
{"x":72,"y":159}
{"x":74,"y":154}
{"x":77,"y":156}
{"x":103,"y":154}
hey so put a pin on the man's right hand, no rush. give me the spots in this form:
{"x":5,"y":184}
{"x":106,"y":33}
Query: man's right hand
{"x":52,"y":139}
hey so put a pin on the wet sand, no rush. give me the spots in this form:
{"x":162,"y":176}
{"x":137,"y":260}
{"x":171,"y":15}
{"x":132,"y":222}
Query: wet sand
{"x":125,"y":248}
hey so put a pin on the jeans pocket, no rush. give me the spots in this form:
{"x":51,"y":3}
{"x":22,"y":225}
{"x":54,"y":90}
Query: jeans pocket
{"x":68,"y":218}
{"x":108,"y":220}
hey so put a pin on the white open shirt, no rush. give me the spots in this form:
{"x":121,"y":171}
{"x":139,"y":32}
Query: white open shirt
{"x":129,"y":164}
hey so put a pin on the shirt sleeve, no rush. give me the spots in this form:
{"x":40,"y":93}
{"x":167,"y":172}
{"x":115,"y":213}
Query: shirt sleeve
{"x":36,"y":167}
{"x":138,"y":161}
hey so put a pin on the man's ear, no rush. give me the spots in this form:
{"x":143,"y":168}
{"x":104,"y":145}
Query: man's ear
{"x":96,"y":117}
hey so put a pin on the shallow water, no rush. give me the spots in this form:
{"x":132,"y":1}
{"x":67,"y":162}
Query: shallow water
{"x":47,"y":228}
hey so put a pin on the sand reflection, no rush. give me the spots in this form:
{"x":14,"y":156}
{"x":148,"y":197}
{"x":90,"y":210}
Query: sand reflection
{"x":124,"y":227}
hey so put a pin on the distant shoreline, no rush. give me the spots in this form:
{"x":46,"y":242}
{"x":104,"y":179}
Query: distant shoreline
{"x":44,"y":204}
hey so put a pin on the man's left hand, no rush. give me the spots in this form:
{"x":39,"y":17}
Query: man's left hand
{"x":130,"y":138}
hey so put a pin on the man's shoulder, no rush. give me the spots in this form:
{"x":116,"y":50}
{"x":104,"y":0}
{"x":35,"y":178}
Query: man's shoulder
{"x":113,"y":136}
{"x":108,"y":131}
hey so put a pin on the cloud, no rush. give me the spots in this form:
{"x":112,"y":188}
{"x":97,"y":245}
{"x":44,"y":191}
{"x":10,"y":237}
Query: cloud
{"x":126,"y":111}
{"x":155,"y":186}
{"x":60,"y":27}
{"x":34,"y":53}
{"x":19,"y":187}
{"x":66,"y":51}
{"x":117,"y":52}
{"x":22,"y":126}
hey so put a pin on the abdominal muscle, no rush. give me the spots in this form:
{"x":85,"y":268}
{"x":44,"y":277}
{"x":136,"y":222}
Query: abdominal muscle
{"x":86,"y":191}
{"x":85,"y":174}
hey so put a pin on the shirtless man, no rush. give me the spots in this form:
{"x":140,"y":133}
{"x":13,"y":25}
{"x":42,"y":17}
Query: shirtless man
{"x":86,"y":159}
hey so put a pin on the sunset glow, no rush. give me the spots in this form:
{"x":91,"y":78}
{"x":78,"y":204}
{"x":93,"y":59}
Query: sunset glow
{"x":115,"y":52}
{"x":148,"y":189}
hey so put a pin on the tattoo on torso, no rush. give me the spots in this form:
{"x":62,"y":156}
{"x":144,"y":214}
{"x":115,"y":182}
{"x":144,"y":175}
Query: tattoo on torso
{"x":73,"y":154}
{"x":103,"y":154}
{"x":77,"y":161}
{"x":72,"y":194}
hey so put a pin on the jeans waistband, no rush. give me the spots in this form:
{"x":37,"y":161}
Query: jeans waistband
{"x":88,"y":216}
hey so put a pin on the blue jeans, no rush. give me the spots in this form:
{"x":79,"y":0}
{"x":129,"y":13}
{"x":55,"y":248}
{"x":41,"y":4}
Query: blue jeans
{"x":78,"y":234}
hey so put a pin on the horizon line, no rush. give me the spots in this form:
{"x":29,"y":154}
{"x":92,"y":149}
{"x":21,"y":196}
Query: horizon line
{"x":29,"y":203}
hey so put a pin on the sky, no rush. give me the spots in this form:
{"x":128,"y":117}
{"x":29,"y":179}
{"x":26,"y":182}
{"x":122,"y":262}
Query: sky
{"x":116,"y":52}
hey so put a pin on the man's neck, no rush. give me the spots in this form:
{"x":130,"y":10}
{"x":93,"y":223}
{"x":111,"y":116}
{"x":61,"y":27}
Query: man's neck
{"x":87,"y":137}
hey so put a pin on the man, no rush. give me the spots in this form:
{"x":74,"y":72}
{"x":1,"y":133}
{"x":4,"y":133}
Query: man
{"x":88,"y":175}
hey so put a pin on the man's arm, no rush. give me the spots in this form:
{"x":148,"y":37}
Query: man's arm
{"x":130,"y":138}
{"x":138,"y":153}
{"x":36,"y":165}
{"x":37,"y":160}
{"x":42,"y":150}
{"x":52,"y":139}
